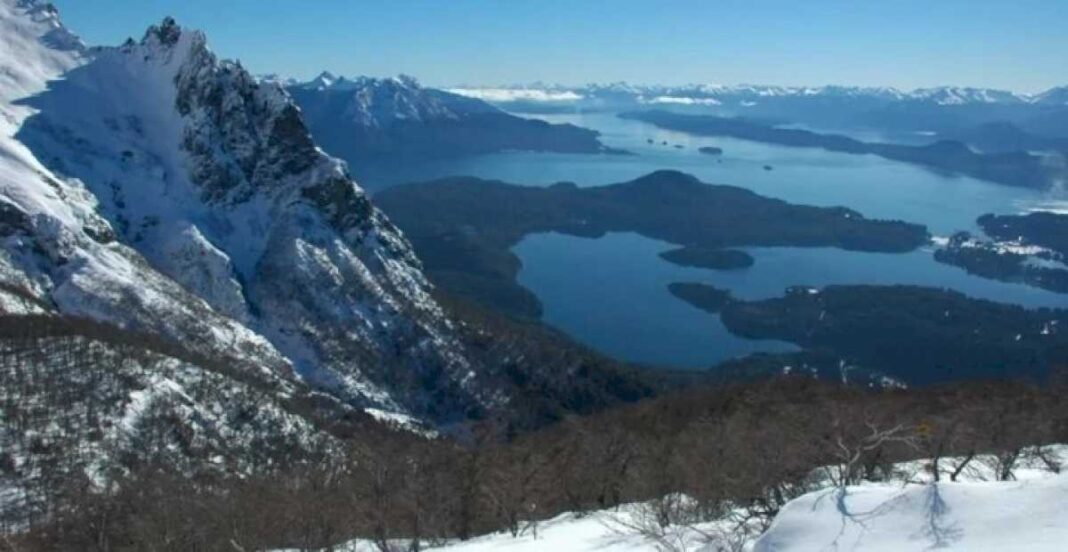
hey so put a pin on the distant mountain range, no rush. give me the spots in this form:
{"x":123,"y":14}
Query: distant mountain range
{"x":366,"y":118}
{"x":938,"y":110}
{"x":706,"y":93}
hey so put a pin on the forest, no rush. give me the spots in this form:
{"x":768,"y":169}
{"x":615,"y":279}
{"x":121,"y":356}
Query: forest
{"x":738,"y":449}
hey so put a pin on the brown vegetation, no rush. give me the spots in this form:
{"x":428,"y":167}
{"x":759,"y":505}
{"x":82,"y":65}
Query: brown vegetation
{"x":750,"y":445}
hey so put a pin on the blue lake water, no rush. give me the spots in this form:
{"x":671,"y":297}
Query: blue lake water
{"x":611,"y":292}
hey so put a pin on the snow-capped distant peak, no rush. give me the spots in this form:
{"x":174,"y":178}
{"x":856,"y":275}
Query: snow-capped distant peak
{"x":323,"y":80}
{"x":516,"y":94}
{"x":1053,"y":96}
{"x":960,"y":95}
{"x":274,"y":78}
{"x":327,"y":81}
{"x":750,"y":94}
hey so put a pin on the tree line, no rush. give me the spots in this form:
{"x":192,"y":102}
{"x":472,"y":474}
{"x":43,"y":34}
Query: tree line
{"x":741,"y":450}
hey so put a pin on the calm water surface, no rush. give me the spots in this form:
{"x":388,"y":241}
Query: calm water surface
{"x":611,"y":292}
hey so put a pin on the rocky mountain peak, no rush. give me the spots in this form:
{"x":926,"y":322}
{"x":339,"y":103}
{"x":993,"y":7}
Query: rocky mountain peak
{"x":214,"y":187}
{"x":166,"y":33}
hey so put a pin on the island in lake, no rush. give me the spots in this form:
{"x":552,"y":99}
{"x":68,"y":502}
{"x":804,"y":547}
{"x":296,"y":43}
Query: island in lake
{"x":915,"y":334}
{"x":1017,"y":168}
{"x":1029,"y":249}
{"x":706,"y":257}
{"x":703,"y":296}
{"x":463,"y":228}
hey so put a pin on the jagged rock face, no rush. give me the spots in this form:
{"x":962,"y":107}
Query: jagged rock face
{"x":187,"y":170}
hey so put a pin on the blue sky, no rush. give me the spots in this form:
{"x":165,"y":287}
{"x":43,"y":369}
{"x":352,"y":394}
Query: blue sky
{"x":1020,"y":45}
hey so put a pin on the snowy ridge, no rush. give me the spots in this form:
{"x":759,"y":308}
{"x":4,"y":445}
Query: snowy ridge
{"x":28,"y":25}
{"x":56,"y":245}
{"x":516,"y":94}
{"x":379,"y":102}
{"x":1053,"y":96}
{"x":364,"y":120}
{"x":171,"y":192}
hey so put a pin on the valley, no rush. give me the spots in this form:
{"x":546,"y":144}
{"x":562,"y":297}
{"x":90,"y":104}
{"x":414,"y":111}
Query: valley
{"x":463,"y":227}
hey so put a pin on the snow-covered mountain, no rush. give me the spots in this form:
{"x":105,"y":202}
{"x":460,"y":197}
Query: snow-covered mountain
{"x":945,"y":95}
{"x":382,"y":102}
{"x":59,"y":255}
{"x":158,"y":188}
{"x":944,"y":109}
{"x":363,"y":118}
{"x":1054,"y":96}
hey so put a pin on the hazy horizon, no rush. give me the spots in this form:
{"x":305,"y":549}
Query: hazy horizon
{"x":953,"y":43}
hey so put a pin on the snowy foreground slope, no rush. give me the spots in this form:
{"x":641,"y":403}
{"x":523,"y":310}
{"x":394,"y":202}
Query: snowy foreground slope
{"x":1026,"y":515}
{"x":973,"y":516}
{"x":911,"y":513}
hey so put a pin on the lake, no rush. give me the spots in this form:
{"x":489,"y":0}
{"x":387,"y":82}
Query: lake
{"x":611,"y":293}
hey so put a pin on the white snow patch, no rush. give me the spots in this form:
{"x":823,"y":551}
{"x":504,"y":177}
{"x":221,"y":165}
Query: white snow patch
{"x":972,"y":516}
{"x":517,"y":94}
{"x":679,"y":100}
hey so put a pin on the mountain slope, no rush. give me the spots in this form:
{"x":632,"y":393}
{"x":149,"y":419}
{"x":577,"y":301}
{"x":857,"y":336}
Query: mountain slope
{"x":57,"y":246}
{"x":367,"y":118}
{"x":92,"y":381}
{"x":84,"y":401}
{"x":161,"y":189}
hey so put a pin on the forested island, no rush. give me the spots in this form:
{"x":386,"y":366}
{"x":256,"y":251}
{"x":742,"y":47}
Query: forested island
{"x":702,"y":296}
{"x":1029,"y":249}
{"x":915,"y":334}
{"x":713,"y":258}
